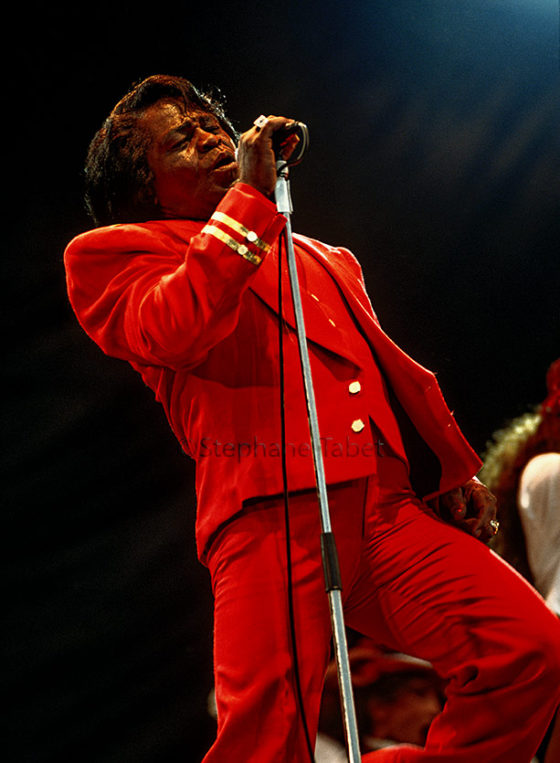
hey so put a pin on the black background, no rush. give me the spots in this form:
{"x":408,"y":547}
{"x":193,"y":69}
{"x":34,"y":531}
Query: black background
{"x":435,"y":156}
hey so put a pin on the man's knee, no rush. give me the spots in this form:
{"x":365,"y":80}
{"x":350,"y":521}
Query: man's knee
{"x":552,"y":659}
{"x":543,"y":657}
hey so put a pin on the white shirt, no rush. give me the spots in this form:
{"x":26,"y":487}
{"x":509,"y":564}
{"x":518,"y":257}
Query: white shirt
{"x":539,"y":509}
{"x":327,"y":750}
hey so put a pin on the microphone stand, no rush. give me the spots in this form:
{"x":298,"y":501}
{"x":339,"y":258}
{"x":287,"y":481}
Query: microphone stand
{"x":331,"y":570}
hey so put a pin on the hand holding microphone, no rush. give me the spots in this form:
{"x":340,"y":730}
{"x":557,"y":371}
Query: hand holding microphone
{"x":269,"y":139}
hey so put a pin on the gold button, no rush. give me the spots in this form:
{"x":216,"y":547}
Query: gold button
{"x":354,"y":387}
{"x":357,"y":425}
{"x":251,"y":237}
{"x":242,"y":250}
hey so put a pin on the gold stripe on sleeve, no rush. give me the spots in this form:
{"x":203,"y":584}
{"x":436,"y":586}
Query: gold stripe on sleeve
{"x":241,"y":249}
{"x":249,"y":235}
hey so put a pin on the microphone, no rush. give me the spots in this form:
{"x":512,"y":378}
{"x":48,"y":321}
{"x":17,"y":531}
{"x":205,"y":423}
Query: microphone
{"x":280,"y":137}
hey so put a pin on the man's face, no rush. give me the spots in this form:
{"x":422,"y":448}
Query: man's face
{"x":192,"y":158}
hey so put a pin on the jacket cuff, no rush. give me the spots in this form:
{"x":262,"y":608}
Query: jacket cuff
{"x":247,"y":222}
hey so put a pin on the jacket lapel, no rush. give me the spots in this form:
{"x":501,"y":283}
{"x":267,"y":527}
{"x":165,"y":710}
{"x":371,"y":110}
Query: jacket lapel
{"x":398,"y":365}
{"x":265,"y":286}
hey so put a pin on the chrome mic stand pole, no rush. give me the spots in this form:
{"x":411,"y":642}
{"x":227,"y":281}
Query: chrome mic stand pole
{"x":333,"y":581}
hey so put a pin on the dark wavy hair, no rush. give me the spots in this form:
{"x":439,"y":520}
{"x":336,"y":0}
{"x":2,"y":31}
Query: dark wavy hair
{"x":118,"y":179}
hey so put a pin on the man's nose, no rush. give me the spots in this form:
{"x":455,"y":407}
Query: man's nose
{"x":207,"y":140}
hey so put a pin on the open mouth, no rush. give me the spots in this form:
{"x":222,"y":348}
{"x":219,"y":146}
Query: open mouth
{"x":226,"y":161}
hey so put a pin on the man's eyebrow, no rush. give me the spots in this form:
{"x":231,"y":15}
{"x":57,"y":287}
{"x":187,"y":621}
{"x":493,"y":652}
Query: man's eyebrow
{"x":182,"y":128}
{"x":207,"y":116}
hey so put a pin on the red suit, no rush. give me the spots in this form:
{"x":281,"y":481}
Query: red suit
{"x":194,"y":308}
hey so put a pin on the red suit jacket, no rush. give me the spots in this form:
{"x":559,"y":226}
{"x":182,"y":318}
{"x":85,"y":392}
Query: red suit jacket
{"x":193,"y":307}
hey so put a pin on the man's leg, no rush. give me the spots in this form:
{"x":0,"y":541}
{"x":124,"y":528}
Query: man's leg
{"x":435,"y":592}
{"x":259,"y":719}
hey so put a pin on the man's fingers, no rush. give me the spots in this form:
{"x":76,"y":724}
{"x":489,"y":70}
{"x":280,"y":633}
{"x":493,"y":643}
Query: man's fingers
{"x":471,"y":508}
{"x":454,"y":504}
{"x":255,"y":155}
{"x":483,"y":508}
{"x":265,"y":127}
{"x":288,"y":146}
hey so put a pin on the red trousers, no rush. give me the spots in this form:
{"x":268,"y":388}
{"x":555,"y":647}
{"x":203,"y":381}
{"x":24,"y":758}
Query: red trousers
{"x":411,"y":583}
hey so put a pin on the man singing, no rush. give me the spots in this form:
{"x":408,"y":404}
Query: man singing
{"x":186,"y":280}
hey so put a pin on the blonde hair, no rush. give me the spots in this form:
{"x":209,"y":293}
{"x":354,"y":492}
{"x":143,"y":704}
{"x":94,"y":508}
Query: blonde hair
{"x":504,"y":460}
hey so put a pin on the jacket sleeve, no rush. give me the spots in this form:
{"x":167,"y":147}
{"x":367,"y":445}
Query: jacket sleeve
{"x":146,"y":297}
